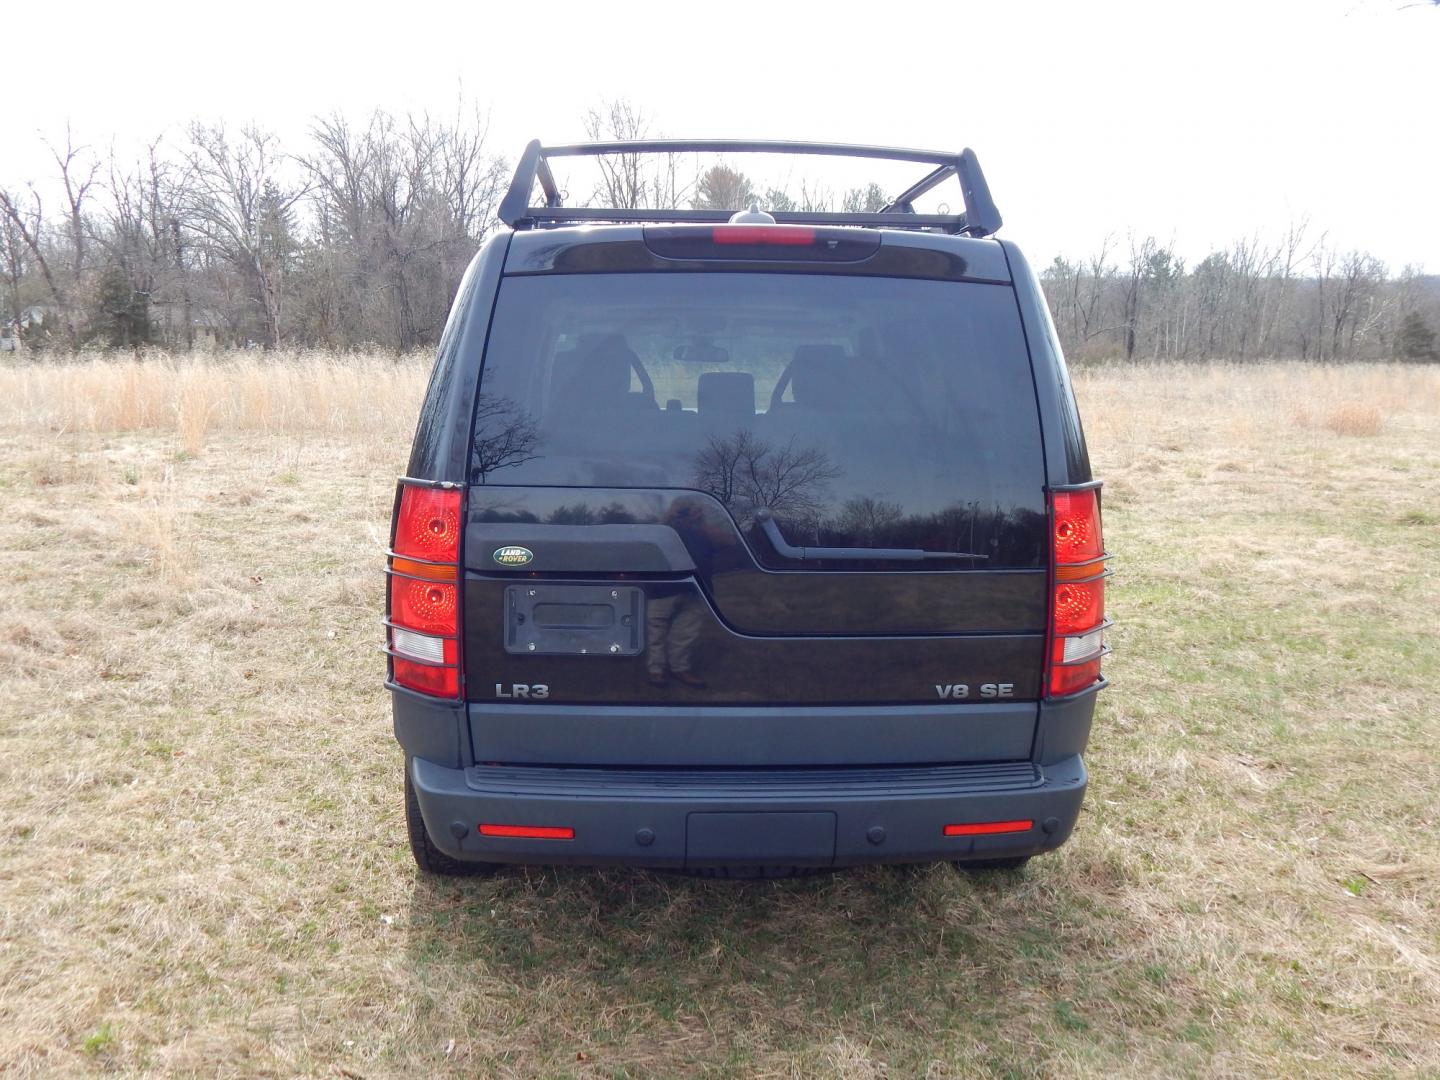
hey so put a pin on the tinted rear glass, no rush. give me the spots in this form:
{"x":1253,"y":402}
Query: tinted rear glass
{"x":862,"y":412}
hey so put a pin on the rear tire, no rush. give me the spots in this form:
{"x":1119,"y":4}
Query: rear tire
{"x":754,"y":873}
{"x":428,"y":857}
{"x":978,"y":866}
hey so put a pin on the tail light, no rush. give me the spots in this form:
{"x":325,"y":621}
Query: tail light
{"x":423,"y":595}
{"x":1077,"y":596}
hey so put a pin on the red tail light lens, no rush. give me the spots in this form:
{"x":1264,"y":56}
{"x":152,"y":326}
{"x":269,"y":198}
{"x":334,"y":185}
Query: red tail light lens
{"x":423,"y":598}
{"x":428,"y":524}
{"x":435,"y":681}
{"x":1068,"y":678}
{"x":427,"y":606}
{"x":1079,"y":605}
{"x":1076,"y":526}
{"x":1077,"y":599}
{"x":783,"y":235}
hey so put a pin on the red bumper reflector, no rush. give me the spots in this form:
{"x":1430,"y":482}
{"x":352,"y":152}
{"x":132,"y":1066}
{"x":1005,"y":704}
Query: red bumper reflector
{"x":529,"y":832}
{"x":988,"y":828}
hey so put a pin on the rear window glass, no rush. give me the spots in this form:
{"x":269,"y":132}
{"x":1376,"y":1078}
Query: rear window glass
{"x":865,"y":412}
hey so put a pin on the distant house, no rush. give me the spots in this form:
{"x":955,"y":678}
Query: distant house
{"x":207,"y":326}
{"x":31,"y":321}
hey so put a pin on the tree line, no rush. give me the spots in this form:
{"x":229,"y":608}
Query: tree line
{"x":357,"y":238}
{"x":1295,"y":297}
{"x":225,"y":237}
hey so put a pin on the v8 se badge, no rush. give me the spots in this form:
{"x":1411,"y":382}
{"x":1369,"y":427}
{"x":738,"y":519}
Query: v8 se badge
{"x":987,"y":690}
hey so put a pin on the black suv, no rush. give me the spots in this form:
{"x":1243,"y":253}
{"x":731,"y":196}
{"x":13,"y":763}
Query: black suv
{"x":748,"y":543}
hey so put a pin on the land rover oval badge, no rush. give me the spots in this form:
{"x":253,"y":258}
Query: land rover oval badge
{"x":514,"y":555}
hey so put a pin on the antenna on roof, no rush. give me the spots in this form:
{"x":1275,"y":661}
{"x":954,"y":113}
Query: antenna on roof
{"x":753,"y":216}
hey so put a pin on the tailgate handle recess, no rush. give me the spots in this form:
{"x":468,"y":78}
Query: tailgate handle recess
{"x":790,"y":551}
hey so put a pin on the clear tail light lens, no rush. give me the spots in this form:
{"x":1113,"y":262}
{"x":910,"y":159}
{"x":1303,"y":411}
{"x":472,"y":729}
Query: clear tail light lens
{"x":419,"y":646}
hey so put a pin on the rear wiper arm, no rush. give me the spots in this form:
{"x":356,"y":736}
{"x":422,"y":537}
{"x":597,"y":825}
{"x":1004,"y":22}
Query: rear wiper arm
{"x":790,"y":551}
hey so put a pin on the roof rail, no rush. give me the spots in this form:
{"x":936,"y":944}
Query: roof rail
{"x":980,"y":218}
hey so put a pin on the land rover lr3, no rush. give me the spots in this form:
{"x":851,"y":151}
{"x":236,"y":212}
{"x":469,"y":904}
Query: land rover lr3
{"x":745,"y":544}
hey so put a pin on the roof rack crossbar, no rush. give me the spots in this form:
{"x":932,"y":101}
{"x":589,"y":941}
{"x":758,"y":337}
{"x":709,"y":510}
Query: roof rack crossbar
{"x":905,"y":201}
{"x":749,"y":146}
{"x":575,"y":214}
{"x":981,"y":218}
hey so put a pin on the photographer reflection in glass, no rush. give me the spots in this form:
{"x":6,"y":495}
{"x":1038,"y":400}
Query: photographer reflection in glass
{"x":674,"y":620}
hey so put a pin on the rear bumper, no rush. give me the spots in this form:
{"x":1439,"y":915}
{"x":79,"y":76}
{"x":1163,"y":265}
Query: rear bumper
{"x":692,"y":817}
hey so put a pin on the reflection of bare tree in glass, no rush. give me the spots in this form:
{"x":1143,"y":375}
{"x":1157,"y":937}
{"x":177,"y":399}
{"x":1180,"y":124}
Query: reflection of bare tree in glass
{"x":868,"y":520}
{"x":612,"y":513}
{"x":505,"y":436}
{"x":745,"y":473}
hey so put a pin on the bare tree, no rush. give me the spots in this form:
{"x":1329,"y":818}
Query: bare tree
{"x":77,"y":172}
{"x":505,"y":436}
{"x":13,"y":261}
{"x":746,"y":474}
{"x":400,"y":206}
{"x":623,"y":182}
{"x":866,"y":518}
{"x":631,"y":180}
{"x":240,"y":205}
{"x":26,"y":224}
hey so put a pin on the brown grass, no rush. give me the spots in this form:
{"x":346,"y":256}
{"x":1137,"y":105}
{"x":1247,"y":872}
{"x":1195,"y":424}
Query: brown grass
{"x":309,"y":393}
{"x":1353,"y":420}
{"x":202,"y":862}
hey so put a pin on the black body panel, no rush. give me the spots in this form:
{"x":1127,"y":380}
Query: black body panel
{"x":764,"y":737}
{"x":623,"y":249}
{"x":678,"y":532}
{"x":711,"y":736}
{"x":745,"y":669}
{"x":441,"y":450}
{"x":1067,"y":459}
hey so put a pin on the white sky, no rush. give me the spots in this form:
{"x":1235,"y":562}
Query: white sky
{"x":1197,"y":122}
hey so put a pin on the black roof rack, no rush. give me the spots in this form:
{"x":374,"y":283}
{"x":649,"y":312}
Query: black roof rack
{"x":981,"y":218}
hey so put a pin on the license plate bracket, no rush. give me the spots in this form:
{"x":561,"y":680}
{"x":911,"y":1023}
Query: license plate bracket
{"x":574,"y":620}
{"x":741,"y":839}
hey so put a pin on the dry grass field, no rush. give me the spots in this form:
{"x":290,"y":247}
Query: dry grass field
{"x":203,"y":868}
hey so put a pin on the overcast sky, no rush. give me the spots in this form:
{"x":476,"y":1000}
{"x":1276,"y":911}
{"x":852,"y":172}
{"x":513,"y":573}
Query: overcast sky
{"x":1197,"y":123}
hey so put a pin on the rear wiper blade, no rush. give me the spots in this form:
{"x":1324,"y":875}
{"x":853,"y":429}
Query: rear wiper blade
{"x":790,"y":551}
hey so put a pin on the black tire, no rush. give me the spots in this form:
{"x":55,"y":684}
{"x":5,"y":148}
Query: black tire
{"x":976,"y":866}
{"x":428,"y":857}
{"x":754,"y":873}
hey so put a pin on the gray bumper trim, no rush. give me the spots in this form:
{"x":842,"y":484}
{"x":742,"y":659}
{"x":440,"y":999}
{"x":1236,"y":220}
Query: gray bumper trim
{"x":641,"y":817}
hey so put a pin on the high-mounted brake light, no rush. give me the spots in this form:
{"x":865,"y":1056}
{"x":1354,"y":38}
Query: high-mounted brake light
{"x":1077,"y":592}
{"x":781,"y":235}
{"x":423,"y":597}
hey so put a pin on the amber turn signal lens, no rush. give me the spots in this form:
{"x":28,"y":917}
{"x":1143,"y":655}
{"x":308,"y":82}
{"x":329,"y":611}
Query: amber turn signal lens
{"x":421,"y":569}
